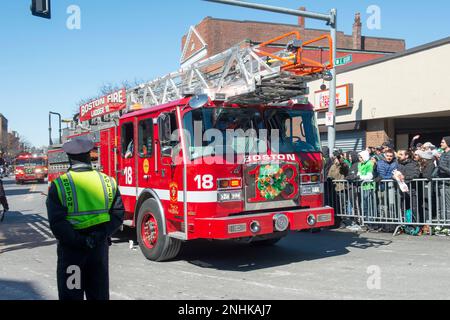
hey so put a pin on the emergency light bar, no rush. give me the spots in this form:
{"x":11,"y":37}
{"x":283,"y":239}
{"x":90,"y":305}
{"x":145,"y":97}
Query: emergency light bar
{"x":41,"y":8}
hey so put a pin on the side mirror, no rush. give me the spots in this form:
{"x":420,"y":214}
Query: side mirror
{"x":198,"y":101}
{"x":167,"y":152}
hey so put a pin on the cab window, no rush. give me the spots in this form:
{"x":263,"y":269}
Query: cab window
{"x":145,"y":138}
{"x":127,"y":140}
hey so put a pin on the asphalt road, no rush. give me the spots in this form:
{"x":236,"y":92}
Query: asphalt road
{"x":327,"y":265}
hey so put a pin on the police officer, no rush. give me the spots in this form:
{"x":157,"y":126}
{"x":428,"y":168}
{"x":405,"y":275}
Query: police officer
{"x":84,"y":209}
{"x":3,"y":201}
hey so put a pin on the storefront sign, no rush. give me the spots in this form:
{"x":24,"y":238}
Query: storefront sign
{"x":113,"y":102}
{"x":322,"y":98}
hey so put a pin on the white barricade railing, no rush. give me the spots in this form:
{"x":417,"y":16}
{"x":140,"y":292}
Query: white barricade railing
{"x":384,"y":203}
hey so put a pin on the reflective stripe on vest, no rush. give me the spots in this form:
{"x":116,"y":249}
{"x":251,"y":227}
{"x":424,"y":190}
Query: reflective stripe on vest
{"x":88,"y":197}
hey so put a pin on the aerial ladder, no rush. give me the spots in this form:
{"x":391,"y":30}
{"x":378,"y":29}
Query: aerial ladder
{"x":244,"y":74}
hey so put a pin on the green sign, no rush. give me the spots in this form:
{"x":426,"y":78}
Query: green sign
{"x":344,"y":60}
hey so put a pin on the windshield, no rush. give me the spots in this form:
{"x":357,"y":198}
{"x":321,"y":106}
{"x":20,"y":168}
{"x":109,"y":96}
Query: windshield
{"x":298,"y":131}
{"x":30,"y":162}
{"x":223,"y":131}
{"x":245,"y":131}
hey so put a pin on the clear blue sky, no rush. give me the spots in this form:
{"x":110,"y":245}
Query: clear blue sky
{"x":44,"y":66}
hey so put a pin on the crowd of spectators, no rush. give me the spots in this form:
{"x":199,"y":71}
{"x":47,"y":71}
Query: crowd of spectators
{"x":382,"y":167}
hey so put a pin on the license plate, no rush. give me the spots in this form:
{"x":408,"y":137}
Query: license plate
{"x":237,"y":228}
{"x":324,"y":218}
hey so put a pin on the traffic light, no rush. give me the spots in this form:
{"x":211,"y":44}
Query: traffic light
{"x":41,"y":8}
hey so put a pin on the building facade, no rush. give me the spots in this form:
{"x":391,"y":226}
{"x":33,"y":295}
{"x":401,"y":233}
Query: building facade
{"x":212,"y":36}
{"x":3,"y":133}
{"x":392,"y":98}
{"x":361,"y":121}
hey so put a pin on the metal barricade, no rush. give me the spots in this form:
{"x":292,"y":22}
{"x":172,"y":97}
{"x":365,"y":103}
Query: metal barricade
{"x":345,"y":198}
{"x":440,"y":215}
{"x":385,"y":203}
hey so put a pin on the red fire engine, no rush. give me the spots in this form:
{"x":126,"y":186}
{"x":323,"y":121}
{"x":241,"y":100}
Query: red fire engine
{"x":242,"y":160}
{"x":29,"y":167}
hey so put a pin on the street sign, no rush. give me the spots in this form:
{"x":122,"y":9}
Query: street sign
{"x":329,"y":119}
{"x":344,"y":60}
{"x":41,"y":8}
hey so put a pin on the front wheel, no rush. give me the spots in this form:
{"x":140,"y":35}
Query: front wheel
{"x":153,"y":243}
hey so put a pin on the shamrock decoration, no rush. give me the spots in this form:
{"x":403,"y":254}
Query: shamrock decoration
{"x":271,"y":181}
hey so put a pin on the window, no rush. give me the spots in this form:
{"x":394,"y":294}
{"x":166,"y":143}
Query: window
{"x":168,"y":125}
{"x":298,"y":131}
{"x":146,"y":138}
{"x":127,"y":140}
{"x":244,"y":122}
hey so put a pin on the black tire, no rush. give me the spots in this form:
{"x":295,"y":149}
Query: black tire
{"x":165,"y":248}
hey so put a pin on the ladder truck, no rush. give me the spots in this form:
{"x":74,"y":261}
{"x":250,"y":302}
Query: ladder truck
{"x":225,"y":149}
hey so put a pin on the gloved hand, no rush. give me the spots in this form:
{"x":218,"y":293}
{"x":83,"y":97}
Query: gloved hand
{"x":90,"y":242}
{"x":94,"y":239}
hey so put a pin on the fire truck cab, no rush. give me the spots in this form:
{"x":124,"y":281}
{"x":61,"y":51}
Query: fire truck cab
{"x":29,"y":167}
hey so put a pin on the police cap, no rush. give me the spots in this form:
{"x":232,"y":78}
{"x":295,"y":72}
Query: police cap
{"x":78,"y":145}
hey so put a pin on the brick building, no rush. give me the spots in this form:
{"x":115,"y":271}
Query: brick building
{"x":395,"y":97}
{"x":212,"y":36}
{"x":3,"y":133}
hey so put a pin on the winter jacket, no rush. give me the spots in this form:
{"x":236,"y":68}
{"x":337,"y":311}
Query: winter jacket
{"x":353,"y":169}
{"x":365,"y":173}
{"x":428,"y":169}
{"x":385,"y":170}
{"x":327,"y":165}
{"x":444,"y":165}
{"x":2,"y":191}
{"x":338,"y":172}
{"x":410,"y":170}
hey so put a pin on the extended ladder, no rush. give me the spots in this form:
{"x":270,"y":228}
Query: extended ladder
{"x":242,"y":74}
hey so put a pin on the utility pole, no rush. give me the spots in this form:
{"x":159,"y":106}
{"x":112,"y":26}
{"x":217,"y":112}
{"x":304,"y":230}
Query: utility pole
{"x":331,"y":20}
{"x":332,"y":108}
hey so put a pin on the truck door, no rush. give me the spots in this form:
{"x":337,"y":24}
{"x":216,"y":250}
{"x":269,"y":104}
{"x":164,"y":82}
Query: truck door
{"x":128,"y":162}
{"x":170,"y":171}
{"x":147,"y":167}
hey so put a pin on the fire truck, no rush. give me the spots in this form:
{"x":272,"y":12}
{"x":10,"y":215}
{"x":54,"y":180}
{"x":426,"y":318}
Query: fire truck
{"x":29,"y":167}
{"x":225,"y":149}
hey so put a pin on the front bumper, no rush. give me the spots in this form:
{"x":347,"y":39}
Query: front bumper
{"x":235,"y":227}
{"x":30,"y":177}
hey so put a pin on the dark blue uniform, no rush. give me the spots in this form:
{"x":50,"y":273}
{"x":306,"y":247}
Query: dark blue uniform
{"x":87,"y":249}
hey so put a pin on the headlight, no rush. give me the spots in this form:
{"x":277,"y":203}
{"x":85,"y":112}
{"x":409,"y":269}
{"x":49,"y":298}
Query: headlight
{"x":229,"y":196}
{"x":311,"y":220}
{"x":311,"y":189}
{"x":38,"y":171}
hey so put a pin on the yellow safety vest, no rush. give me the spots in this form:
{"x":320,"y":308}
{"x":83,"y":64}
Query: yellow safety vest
{"x":88,"y":197}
